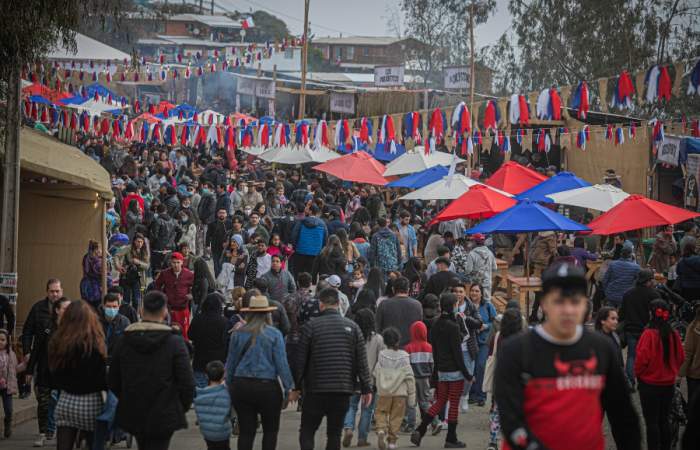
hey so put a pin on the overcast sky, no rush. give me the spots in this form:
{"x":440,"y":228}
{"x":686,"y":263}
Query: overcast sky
{"x":354,"y":17}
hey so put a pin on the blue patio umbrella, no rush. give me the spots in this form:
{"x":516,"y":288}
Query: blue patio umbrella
{"x":563,"y":181}
{"x":378,"y":153}
{"x":419,"y":179}
{"x":39,"y":99}
{"x":526,"y":217}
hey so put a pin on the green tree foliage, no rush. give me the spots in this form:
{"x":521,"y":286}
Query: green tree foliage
{"x":443,"y":27}
{"x":267,"y":26}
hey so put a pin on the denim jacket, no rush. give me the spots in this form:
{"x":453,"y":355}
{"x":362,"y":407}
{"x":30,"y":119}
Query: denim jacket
{"x":266,"y":359}
{"x":488,"y":313}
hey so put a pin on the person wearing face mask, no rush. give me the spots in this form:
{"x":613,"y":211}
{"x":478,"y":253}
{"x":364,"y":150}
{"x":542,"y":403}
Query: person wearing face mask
{"x":189,"y":231}
{"x":113,"y":323}
{"x":251,"y":196}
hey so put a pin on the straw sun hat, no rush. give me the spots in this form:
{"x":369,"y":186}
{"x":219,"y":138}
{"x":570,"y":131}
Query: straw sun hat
{"x":259,"y":304}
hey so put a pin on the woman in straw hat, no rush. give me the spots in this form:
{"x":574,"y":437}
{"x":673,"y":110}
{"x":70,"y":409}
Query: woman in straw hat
{"x":258,"y":374}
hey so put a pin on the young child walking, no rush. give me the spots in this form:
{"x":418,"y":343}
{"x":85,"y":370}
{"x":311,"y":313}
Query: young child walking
{"x":8,"y":378}
{"x":396,"y":389}
{"x":213,"y":407}
{"x":420,"y":354}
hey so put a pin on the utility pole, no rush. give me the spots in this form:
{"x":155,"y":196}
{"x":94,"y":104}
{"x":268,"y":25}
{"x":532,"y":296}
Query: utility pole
{"x":304,"y":54}
{"x":212,"y":7}
{"x":9,"y":229}
{"x":471,"y":72}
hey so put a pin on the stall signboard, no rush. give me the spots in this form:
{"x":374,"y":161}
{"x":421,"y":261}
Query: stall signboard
{"x":265,"y":88}
{"x":8,"y":280}
{"x":692,"y":178}
{"x":669,"y":151}
{"x":456,"y":77}
{"x":387,"y":76}
{"x":343,"y":102}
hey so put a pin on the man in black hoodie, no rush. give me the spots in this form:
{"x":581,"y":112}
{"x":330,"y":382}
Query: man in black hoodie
{"x":152,"y":377}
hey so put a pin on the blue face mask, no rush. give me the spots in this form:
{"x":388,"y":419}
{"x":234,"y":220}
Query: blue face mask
{"x":205,"y":191}
{"x":111,"y":313}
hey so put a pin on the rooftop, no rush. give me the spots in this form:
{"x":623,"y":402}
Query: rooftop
{"x":88,"y":49}
{"x":211,"y":21}
{"x":358,"y":40}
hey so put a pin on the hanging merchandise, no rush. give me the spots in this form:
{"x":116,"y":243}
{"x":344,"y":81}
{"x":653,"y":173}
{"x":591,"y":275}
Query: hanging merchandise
{"x":229,"y":138}
{"x":609,"y":132}
{"x":365,"y":131}
{"x":658,"y":83}
{"x":491,"y":116}
{"x":74,"y":121}
{"x":542,"y":141}
{"x":412,"y":124}
{"x":624,"y":90}
{"x":437,"y":126}
{"x":104,"y":127}
{"x":632,"y":131}
{"x":497,"y":139}
{"x":343,"y":135}
{"x":478,"y":138}
{"x":281,"y":134}
{"x":301,"y":133}
{"x":321,"y":135}
{"x":694,"y":80}
{"x":580,"y":100}
{"x":156,"y":133}
{"x":619,"y":136}
{"x":505,"y":143}
{"x":143,"y":133}
{"x":657,"y":134}
{"x":264,"y":135}
{"x":582,"y":137}
{"x":213,"y":135}
{"x":519,"y":110}
{"x":246,"y":136}
{"x":461,"y":125}
{"x":387,"y":134}
{"x":129,"y":131}
{"x":519,"y":135}
{"x":185,"y":136}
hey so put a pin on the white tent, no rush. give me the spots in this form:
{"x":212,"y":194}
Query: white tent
{"x":418,"y":161}
{"x":254,"y":150}
{"x":95,"y":107}
{"x":298,"y":155}
{"x":203,"y":117}
{"x":445,"y":189}
{"x":601,"y":197}
{"x":87,"y":49}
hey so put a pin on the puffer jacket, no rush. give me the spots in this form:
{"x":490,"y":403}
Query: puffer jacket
{"x":446,"y":339}
{"x":309,"y":236}
{"x":619,"y":278}
{"x":152,"y":377}
{"x":213,"y":407}
{"x":688,"y":271}
{"x":394,"y":375}
{"x":420,"y":352}
{"x":331,"y":356}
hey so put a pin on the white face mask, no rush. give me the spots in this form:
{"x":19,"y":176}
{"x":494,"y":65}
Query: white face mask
{"x":245,"y":189}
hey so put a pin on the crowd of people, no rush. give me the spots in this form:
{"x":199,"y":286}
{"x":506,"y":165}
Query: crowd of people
{"x":237,"y":289}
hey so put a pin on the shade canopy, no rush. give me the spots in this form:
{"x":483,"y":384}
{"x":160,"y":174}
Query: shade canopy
{"x":636,"y":212}
{"x":479,"y":202}
{"x":358,"y":167}
{"x":297,"y":155}
{"x":417,"y":161}
{"x":526,"y":217}
{"x":601,"y":197}
{"x":420,"y":179}
{"x":563,"y":181}
{"x":444,"y":189}
{"x":254,"y":150}
{"x":515,"y":178}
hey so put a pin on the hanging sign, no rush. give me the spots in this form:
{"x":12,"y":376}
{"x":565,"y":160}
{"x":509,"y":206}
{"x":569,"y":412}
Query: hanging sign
{"x":342,"y":102}
{"x":691,"y":182}
{"x":265,"y":88}
{"x":456,"y":77}
{"x":8,"y":280}
{"x":388,"y":76}
{"x":669,"y":151}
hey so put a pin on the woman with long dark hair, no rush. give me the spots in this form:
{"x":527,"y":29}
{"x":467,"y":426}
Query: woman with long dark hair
{"x":375,"y":282}
{"x":373,"y":345}
{"x":77,"y":361}
{"x":91,"y":283}
{"x":658,"y":361}
{"x":413,"y":271}
{"x":134,"y":266}
{"x":331,"y":260}
{"x":606,"y":321}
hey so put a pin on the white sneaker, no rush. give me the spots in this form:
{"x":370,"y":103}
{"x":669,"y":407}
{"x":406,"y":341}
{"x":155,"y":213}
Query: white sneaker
{"x":40,"y":440}
{"x":464,"y":403}
{"x":392,"y":446}
{"x":381,"y":440}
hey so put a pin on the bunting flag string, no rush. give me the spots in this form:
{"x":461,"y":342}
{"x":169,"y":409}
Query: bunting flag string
{"x":365,"y":131}
{"x":694,"y":80}
{"x":622,"y":95}
{"x":491,"y":116}
{"x":321,"y":135}
{"x":387,"y":134}
{"x":619,"y":136}
{"x":412,"y":124}
{"x":437,"y":125}
{"x":580,"y":100}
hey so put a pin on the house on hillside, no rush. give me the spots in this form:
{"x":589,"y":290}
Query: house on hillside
{"x":365,"y":52}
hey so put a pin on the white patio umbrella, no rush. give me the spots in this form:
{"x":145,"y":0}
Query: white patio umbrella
{"x":601,"y":197}
{"x":297,"y":155}
{"x":254,"y":150}
{"x":445,"y":189}
{"x":95,"y":107}
{"x":203,"y":117}
{"x":418,"y":161}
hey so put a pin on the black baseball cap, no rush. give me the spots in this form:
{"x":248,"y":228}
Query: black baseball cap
{"x":565,"y":276}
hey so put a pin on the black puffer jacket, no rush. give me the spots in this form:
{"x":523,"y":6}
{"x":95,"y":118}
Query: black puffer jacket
{"x":332,"y":356}
{"x":152,"y":377}
{"x":446,"y":339}
{"x":209,"y":333}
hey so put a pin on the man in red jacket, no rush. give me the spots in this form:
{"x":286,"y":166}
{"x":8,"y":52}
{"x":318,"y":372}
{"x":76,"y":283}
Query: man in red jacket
{"x":176,"y":282}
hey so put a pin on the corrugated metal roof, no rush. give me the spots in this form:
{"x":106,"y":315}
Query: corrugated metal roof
{"x":88,"y":49}
{"x":357,"y":40}
{"x":187,"y":40}
{"x":212,"y":21}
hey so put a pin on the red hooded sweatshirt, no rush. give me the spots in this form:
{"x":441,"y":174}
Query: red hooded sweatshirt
{"x":649,"y":365}
{"x":420,"y":352}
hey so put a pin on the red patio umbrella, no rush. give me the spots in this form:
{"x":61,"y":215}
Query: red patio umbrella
{"x":514,"y":178}
{"x":636,"y":212}
{"x":479,"y":202}
{"x":358,"y":167}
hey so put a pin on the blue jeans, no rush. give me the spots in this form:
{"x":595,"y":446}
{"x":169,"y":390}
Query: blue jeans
{"x":631,"y":355}
{"x":366,"y":413}
{"x":51,"y":424}
{"x":476,"y":392}
{"x":471,"y":364}
{"x":132,"y":295}
{"x":6,"y":403}
{"x":200,"y":379}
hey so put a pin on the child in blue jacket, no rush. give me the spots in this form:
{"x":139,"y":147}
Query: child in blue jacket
{"x":213,"y":407}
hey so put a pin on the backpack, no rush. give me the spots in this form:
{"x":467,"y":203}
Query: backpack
{"x":387,"y":259}
{"x":477,"y":275}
